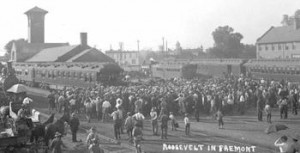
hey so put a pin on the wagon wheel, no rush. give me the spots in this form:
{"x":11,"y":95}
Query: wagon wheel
{"x":12,"y":149}
{"x":38,"y":147}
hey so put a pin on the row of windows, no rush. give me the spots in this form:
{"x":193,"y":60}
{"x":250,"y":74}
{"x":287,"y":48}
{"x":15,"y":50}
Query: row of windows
{"x":66,"y":74}
{"x":275,"y":71}
{"x":279,"y":47}
{"x":19,"y":72}
{"x":133,"y":62}
{"x":175,"y":70}
{"x":125,"y":55}
{"x":168,"y":69}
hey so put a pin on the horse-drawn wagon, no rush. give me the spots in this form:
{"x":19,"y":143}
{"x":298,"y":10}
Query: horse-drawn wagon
{"x":20,"y":128}
{"x":15,"y":144}
{"x":16,"y":133}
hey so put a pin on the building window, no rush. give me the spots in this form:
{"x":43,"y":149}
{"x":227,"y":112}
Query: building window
{"x":266,"y":47}
{"x":279,"y":46}
{"x":259,"y":47}
{"x":294,"y":46}
{"x":286,"y":47}
{"x":273,"y":48}
{"x":133,"y":61}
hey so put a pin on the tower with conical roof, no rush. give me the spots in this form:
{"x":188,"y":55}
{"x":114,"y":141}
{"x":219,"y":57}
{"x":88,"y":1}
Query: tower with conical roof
{"x":36,"y":26}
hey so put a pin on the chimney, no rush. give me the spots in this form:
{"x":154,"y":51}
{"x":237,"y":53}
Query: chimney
{"x":285,"y":20}
{"x":83,"y":39}
{"x":297,"y":20}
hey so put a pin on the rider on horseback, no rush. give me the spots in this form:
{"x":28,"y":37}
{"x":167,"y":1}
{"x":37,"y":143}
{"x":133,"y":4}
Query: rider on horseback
{"x":27,"y":106}
{"x":23,"y":124}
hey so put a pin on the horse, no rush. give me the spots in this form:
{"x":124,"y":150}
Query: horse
{"x":58,"y":126}
{"x":39,"y":129}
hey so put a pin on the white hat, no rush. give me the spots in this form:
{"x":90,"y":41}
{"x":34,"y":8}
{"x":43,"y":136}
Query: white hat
{"x":27,"y":100}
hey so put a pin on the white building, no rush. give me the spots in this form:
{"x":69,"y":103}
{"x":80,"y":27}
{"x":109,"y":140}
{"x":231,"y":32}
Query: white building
{"x":281,"y":42}
{"x":128,"y":60}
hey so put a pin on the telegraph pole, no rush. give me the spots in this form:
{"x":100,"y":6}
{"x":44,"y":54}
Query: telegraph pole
{"x":166,"y":45}
{"x":163,"y":45}
{"x":138,"y":45}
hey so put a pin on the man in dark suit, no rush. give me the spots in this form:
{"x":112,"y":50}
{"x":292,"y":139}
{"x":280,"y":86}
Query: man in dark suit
{"x":164,"y":125}
{"x":198,"y":103}
{"x":74,"y":125}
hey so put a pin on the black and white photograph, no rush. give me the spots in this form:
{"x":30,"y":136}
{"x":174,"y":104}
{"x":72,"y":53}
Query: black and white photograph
{"x":149,"y":76}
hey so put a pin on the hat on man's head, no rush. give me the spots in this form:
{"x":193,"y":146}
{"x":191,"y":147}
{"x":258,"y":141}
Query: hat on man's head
{"x":93,"y":128}
{"x":27,"y":100}
{"x":57,"y":134}
{"x":296,"y":137}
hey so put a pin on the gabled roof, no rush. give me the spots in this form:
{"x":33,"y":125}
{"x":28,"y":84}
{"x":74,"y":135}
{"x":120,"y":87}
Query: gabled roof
{"x":280,"y":35}
{"x":51,"y":54}
{"x":36,"y":10}
{"x":93,"y":55}
{"x":78,"y":55}
{"x":27,"y":50}
{"x":119,"y":51}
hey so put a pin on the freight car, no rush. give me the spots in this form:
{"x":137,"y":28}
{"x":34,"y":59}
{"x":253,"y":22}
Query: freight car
{"x":198,"y":68}
{"x":60,"y":75}
{"x":219,"y":67}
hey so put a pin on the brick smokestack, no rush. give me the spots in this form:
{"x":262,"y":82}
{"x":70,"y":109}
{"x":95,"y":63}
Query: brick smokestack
{"x":83,"y":39}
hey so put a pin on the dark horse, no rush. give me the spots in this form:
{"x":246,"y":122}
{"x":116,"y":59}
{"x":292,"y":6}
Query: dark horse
{"x":39,"y":129}
{"x":58,"y":126}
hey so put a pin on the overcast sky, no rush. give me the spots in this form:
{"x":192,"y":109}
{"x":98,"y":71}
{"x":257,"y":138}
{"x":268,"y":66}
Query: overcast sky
{"x":190,"y":22}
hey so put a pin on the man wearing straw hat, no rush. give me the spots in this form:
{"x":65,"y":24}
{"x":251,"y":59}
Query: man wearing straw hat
{"x":56,"y":143}
{"x":92,"y":134}
{"x":295,"y":146}
{"x":94,"y":147}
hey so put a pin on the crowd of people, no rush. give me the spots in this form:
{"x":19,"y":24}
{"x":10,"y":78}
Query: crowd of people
{"x":165,"y":100}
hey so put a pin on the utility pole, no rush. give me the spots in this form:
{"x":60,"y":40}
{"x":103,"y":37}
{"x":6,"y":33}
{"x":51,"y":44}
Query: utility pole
{"x":166,"y":45}
{"x":163,"y":45}
{"x":138,"y":45}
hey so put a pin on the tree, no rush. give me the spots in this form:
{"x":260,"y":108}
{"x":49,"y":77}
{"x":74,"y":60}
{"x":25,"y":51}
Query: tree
{"x":249,"y":51}
{"x":9,"y":45}
{"x":178,"y":47}
{"x":227,"y":43}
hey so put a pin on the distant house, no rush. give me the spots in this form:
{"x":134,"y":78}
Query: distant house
{"x":281,"y":42}
{"x":36,"y":50}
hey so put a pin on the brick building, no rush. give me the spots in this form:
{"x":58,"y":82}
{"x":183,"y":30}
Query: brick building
{"x":36,"y":50}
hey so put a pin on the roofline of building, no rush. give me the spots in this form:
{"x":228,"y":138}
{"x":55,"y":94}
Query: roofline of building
{"x":117,"y":51}
{"x":279,"y":42}
{"x":258,"y":39}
